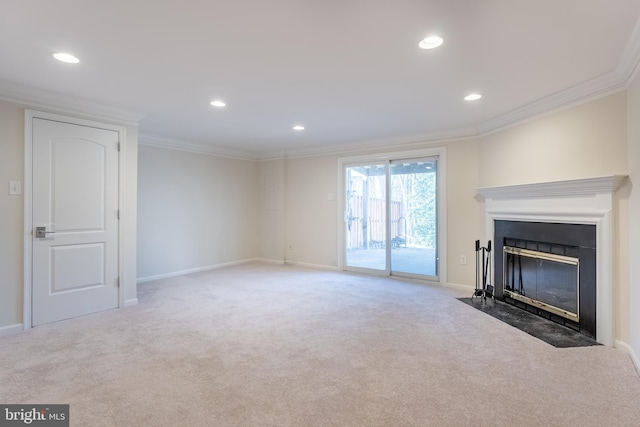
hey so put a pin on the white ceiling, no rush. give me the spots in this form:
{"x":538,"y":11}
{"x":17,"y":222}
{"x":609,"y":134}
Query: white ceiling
{"x":350,"y":71}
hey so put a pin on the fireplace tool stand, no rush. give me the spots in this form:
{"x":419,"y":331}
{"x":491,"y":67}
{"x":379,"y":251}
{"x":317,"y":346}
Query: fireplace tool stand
{"x":483,"y":289}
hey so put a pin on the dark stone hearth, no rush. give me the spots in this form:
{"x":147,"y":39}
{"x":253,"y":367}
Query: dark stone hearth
{"x":537,"y":326}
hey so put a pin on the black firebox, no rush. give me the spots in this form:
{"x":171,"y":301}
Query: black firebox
{"x":548,"y":269}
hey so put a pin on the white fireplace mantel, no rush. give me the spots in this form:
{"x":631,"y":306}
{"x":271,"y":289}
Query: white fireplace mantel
{"x":580,"y":201}
{"x":575,"y":187}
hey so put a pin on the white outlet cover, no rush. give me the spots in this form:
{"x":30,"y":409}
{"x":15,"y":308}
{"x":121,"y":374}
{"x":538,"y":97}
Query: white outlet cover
{"x":15,"y":188}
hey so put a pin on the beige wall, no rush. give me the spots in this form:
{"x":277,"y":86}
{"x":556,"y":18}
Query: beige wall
{"x":194,"y":211}
{"x":271,"y":205}
{"x":129,"y":217}
{"x":465,"y":213}
{"x":12,"y":122}
{"x":311,"y":224}
{"x":198,"y":211}
{"x":633,"y":233}
{"x":11,"y":208}
{"x":312,"y":220}
{"x":291,"y":207}
{"x":585,"y":141}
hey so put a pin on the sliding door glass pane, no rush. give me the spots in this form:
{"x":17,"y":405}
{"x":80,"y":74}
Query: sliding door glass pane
{"x":366,"y":212}
{"x":413,"y":217}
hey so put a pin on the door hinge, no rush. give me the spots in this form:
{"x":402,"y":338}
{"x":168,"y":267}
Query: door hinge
{"x":118,"y":145}
{"x":118,"y":214}
{"x":117,"y":282}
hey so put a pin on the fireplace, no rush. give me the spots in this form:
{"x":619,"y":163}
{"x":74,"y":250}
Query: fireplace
{"x":582,"y":207}
{"x":548,"y":269}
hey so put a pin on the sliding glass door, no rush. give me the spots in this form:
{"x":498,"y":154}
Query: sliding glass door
{"x":391,"y":217}
{"x":413,"y":220}
{"x":366,"y":216}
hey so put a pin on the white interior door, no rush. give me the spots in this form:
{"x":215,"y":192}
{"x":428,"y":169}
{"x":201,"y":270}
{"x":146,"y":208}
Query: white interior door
{"x":75,"y":220}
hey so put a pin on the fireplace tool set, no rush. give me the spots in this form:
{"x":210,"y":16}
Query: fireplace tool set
{"x":483,"y":272}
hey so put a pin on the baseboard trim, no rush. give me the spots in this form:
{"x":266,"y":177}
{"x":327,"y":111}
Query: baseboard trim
{"x":269,"y":261}
{"x":308,"y":265}
{"x":459,"y":287}
{"x":10,"y":329}
{"x":192,"y":270}
{"x":130,"y":302}
{"x":629,"y":350}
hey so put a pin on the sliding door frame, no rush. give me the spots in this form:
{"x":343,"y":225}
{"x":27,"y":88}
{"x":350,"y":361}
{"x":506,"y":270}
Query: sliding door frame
{"x":440,"y":153}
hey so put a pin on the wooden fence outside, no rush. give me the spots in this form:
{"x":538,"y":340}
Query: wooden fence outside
{"x":370,"y":232}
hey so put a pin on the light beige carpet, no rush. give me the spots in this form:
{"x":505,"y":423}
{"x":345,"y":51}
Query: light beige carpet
{"x":266,"y":345}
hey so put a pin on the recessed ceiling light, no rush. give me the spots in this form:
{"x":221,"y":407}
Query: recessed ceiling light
{"x":65,"y":57}
{"x":298,"y":127}
{"x":472,"y":97}
{"x":431,"y":42}
{"x":218,"y":103}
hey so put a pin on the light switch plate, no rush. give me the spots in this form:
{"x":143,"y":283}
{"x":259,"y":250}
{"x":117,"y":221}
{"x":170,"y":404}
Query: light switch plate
{"x":15,"y":188}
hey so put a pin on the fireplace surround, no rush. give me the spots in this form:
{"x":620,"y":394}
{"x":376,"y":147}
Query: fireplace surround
{"x":578,"y":202}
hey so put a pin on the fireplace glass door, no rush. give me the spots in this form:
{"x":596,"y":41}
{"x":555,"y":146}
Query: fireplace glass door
{"x":544,"y":280}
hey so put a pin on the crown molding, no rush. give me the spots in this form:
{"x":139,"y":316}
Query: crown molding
{"x":618,"y":80}
{"x":599,"y":87}
{"x":629,"y":63}
{"x":63,"y":104}
{"x":342,"y":149}
{"x":591,"y":90}
{"x":157,"y":141}
{"x":272,"y":155}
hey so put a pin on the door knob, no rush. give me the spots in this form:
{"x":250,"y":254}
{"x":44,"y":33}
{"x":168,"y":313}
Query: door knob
{"x":41,"y":232}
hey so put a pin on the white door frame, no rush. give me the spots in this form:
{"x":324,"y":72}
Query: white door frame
{"x":441,"y":152}
{"x":28,"y":206}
